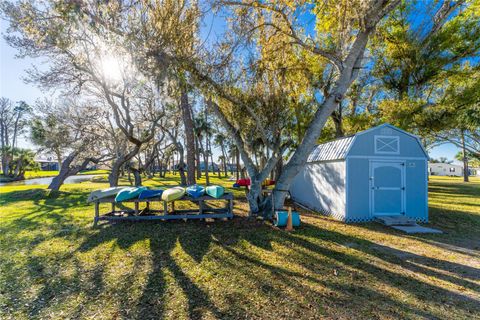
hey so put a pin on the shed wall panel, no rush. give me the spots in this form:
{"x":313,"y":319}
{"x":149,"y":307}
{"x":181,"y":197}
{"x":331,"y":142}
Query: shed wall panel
{"x":416,"y":189}
{"x":358,"y":190}
{"x":321,"y":187}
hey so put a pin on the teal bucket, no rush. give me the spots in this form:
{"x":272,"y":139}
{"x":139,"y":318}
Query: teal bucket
{"x":281,"y":218}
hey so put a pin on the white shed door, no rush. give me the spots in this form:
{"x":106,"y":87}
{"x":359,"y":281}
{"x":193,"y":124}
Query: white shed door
{"x":387,"y":188}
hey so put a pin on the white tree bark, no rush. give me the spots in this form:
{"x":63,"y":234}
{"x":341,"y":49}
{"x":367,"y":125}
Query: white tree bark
{"x":348,"y":74}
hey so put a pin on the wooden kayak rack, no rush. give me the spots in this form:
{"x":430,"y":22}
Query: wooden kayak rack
{"x":137,"y":214}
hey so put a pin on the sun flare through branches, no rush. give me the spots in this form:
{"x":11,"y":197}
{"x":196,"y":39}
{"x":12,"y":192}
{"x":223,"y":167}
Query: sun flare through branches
{"x":112,"y":68}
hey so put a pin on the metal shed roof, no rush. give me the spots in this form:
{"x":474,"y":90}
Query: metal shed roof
{"x":332,"y":150}
{"x":338,"y":149}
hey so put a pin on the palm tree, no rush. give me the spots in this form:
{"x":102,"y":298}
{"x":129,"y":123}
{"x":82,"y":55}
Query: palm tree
{"x":235,"y":156}
{"x":220,"y":140}
{"x":204,"y":130}
{"x":22,"y":159}
{"x":198,"y":144}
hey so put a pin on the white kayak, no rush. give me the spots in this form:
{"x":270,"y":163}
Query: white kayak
{"x":172,"y":194}
{"x":104,"y":193}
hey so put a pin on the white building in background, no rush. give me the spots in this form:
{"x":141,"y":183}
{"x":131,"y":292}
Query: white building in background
{"x":445,"y":169}
{"x":47,"y":162}
{"x":474,"y":172}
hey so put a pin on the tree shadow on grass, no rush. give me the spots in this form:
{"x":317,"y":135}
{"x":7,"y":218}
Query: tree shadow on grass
{"x":457,"y":274}
{"x":341,"y":294}
{"x":461,"y":232}
{"x":233,"y":248}
{"x":413,"y":262}
{"x":162,"y":240}
{"x":150,"y":305}
{"x":459,"y":229}
{"x":46,"y":211}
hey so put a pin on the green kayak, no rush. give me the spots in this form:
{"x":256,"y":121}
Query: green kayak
{"x":172,"y":194}
{"x":215,"y":191}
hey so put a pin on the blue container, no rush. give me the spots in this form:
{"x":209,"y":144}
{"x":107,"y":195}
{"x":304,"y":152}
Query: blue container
{"x":195,"y":191}
{"x":150,"y":193}
{"x":281,"y":218}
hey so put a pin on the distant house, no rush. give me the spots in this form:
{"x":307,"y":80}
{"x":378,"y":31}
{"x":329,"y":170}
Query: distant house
{"x":47,"y":163}
{"x":232,"y":167}
{"x":445,"y":169}
{"x":474,"y":172}
{"x":211,"y":166}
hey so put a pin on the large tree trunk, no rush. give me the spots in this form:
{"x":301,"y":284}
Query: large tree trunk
{"x":118,"y":163}
{"x":181,"y":165}
{"x":114,"y":174}
{"x":254,"y":195}
{"x":337,"y":118}
{"x":189,"y":136}
{"x":465,"y":159}
{"x":256,"y":176}
{"x":255,"y":198}
{"x":66,"y":170}
{"x":58,"y":181}
{"x":137,"y":176}
{"x":278,"y":169}
{"x":351,"y":66}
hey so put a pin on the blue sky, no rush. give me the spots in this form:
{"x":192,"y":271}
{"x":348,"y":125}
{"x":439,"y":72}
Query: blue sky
{"x":12,"y":86}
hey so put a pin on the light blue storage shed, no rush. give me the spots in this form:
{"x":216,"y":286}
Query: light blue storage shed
{"x":378,"y":172}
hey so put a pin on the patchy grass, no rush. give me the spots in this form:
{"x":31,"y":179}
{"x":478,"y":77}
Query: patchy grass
{"x":55,"y":265}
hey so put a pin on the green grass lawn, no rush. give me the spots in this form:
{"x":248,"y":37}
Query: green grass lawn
{"x":43,"y":174}
{"x":40,"y":174}
{"x":54,"y":265}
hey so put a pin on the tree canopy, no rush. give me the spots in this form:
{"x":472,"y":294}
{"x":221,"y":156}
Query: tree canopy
{"x":282,"y":76}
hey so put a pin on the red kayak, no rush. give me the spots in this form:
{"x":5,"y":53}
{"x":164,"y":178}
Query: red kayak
{"x":243,"y":182}
{"x":268,"y":182}
{"x":246,"y":182}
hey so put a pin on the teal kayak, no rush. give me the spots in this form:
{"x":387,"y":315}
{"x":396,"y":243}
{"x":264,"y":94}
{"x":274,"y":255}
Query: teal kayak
{"x":215,"y":191}
{"x":195,"y":191}
{"x":172,"y":194}
{"x":129,"y":193}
